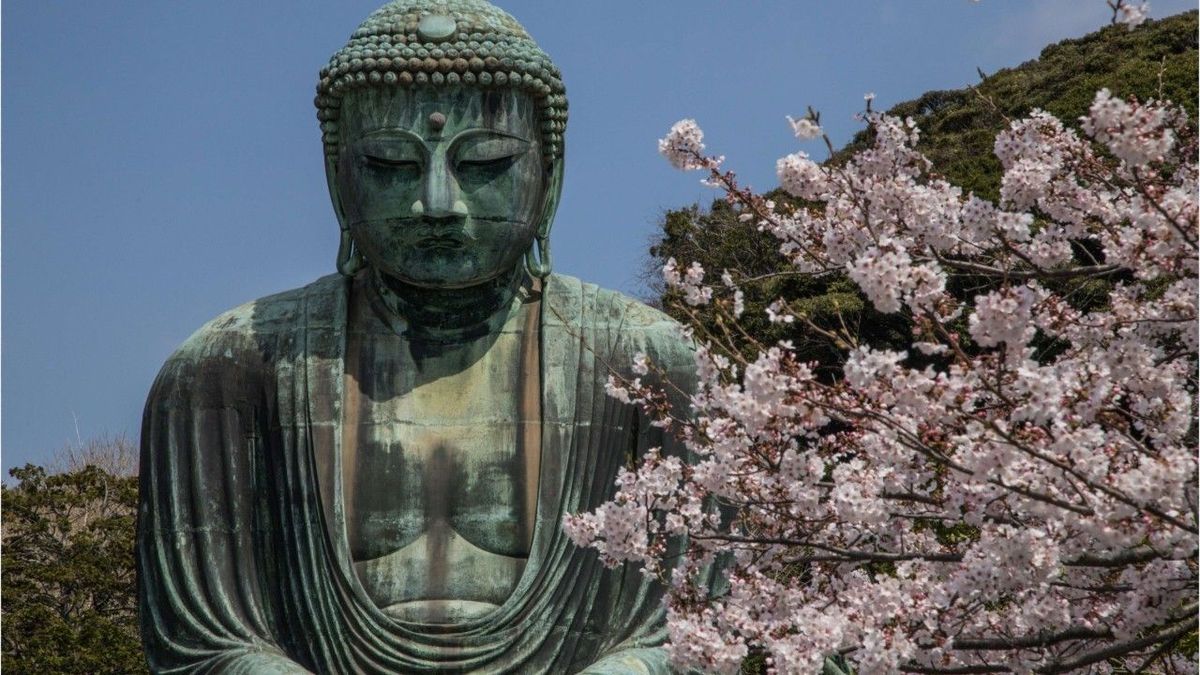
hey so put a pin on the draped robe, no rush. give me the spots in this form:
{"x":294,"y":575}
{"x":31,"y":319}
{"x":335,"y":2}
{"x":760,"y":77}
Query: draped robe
{"x":243,"y":559}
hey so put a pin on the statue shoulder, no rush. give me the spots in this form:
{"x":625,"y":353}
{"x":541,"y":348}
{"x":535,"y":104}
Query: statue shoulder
{"x":626,"y":325}
{"x":263,"y":323}
{"x":589,"y":303}
{"x":253,"y":336}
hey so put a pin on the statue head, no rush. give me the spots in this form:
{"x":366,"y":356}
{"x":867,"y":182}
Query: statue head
{"x":443,"y":129}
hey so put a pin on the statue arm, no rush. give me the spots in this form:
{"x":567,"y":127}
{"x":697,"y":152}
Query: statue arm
{"x":639,"y":635}
{"x":200,"y":578}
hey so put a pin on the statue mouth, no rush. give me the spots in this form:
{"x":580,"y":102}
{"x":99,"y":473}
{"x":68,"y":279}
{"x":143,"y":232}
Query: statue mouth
{"x":426,"y":233}
{"x":442,"y":242}
{"x":431,"y":233}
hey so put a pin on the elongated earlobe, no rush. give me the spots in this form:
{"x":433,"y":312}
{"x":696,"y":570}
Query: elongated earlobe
{"x":539,"y":264}
{"x":349,"y":259}
{"x":537,"y":258}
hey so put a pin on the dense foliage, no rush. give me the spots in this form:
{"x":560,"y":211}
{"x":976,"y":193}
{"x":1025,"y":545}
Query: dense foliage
{"x":1155,"y":60}
{"x":70,"y":602}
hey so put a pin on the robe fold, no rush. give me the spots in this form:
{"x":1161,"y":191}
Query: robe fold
{"x":244,"y":564}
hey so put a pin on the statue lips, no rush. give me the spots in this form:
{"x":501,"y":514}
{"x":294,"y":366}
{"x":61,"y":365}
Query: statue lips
{"x":446,"y":242}
{"x":452,"y":236}
{"x":433,"y":233}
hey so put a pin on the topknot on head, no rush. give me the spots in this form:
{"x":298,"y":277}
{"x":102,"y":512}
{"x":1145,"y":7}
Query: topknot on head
{"x":411,"y":43}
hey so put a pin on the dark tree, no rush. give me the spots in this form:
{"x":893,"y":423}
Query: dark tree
{"x":70,"y":603}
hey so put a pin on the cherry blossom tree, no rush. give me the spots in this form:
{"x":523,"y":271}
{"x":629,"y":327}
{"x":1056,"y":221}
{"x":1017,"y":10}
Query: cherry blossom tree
{"x":1015,"y":492}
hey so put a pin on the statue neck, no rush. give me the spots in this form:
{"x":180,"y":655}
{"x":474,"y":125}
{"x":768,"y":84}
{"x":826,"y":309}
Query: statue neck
{"x":447,"y":314}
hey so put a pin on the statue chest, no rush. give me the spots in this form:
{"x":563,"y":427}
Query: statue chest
{"x":424,"y":464}
{"x":439,"y":474}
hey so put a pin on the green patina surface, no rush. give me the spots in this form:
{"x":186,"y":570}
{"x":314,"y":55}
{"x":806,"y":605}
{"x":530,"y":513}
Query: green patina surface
{"x":368,"y":474}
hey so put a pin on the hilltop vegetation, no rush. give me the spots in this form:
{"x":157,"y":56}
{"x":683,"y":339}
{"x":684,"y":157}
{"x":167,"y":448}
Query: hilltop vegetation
{"x":1155,"y":60}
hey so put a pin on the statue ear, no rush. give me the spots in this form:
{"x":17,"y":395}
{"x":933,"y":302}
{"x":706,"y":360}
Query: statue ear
{"x":551,"y":197}
{"x":539,"y":264}
{"x":349,"y":260}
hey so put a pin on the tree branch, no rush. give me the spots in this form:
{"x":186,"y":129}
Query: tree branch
{"x":1176,"y":629}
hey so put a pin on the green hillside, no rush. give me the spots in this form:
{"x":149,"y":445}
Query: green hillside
{"x":958,"y":126}
{"x":1155,"y":60}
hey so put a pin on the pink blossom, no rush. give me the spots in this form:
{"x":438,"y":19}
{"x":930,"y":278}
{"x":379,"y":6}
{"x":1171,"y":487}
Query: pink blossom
{"x":683,"y":146}
{"x":1019,"y":499}
{"x":804,"y":128}
{"x":1130,"y":14}
{"x":1004,"y":316}
{"x":800,"y":176}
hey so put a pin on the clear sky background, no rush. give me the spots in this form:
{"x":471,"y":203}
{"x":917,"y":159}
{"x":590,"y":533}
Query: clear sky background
{"x":161,"y":160}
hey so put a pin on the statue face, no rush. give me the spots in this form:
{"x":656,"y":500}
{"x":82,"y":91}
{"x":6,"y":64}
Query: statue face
{"x":440,"y":187}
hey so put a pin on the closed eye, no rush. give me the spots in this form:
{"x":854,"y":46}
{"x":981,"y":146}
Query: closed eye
{"x":487,"y":162}
{"x":392,"y":162}
{"x":391,"y":152}
{"x":484,"y":150}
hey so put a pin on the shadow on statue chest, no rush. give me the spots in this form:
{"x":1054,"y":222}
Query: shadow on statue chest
{"x":437,"y":462}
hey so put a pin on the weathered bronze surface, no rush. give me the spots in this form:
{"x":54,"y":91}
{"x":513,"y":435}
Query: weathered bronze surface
{"x":368,"y":474}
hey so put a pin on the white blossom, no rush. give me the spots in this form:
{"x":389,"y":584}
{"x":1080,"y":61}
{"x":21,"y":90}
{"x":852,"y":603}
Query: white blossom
{"x":1136,"y":134}
{"x":800,"y":176}
{"x":683,"y":145}
{"x":1004,"y":316}
{"x":1132,"y":15}
{"x":1024,"y":467}
{"x":804,"y":128}
{"x":777,"y":312}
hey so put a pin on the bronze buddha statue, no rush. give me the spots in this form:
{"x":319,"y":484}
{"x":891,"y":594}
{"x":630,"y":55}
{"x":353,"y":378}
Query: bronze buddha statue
{"x":369,"y":473}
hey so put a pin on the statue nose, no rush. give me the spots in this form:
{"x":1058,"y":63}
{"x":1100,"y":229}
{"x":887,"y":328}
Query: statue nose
{"x":441,"y":197}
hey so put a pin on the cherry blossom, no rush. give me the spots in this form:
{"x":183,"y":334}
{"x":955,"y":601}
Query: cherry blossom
{"x":805,"y":128}
{"x":1129,"y":14}
{"x":684,"y":145}
{"x":1014,"y":492}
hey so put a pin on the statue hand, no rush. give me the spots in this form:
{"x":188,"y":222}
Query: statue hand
{"x":638,"y":661}
{"x":262,"y":663}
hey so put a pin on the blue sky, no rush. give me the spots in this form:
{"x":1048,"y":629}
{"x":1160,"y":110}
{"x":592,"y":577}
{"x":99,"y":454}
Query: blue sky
{"x":161,"y":161}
